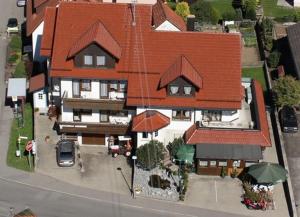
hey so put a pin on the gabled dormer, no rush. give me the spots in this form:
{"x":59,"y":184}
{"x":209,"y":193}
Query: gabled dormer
{"x":95,"y":48}
{"x":181,"y":79}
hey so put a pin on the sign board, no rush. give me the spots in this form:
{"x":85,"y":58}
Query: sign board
{"x":29,"y":146}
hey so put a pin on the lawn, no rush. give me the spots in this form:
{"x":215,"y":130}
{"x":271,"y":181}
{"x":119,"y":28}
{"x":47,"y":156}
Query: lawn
{"x":255,"y":73}
{"x":222,"y":6}
{"x":271,"y":9}
{"x":27,"y":130}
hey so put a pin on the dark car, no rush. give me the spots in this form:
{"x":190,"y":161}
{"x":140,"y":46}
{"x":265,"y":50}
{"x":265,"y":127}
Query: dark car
{"x":288,"y":119}
{"x":65,"y":153}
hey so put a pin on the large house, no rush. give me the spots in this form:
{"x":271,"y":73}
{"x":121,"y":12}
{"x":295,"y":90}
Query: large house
{"x":114,"y":73}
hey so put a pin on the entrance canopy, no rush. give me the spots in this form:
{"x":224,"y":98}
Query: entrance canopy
{"x":219,"y":151}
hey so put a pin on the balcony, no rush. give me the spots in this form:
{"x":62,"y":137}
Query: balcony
{"x":114,"y":102}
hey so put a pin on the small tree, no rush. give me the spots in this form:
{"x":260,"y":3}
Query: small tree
{"x":150,"y":154}
{"x":287,"y":91}
{"x":204,"y":12}
{"x":274,"y":58}
{"x":183,"y":9}
{"x":173,"y":146}
{"x":250,"y":9}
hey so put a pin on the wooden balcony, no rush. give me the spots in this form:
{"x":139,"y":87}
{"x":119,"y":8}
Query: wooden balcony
{"x":100,"y":104}
{"x":94,"y":128}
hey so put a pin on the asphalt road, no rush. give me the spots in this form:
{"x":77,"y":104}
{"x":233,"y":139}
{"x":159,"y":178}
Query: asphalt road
{"x":8,"y":9}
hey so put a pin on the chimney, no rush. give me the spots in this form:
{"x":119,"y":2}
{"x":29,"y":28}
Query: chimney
{"x":191,"y":22}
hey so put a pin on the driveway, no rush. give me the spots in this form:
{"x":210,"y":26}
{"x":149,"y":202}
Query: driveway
{"x":292,"y":143}
{"x":100,"y":171}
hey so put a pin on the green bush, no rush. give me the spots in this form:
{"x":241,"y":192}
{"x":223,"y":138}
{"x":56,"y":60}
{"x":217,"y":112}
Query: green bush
{"x":205,"y":12}
{"x":13,"y":58}
{"x":20,"y":71}
{"x":150,"y":154}
{"x":268,"y":43}
{"x":172,"y":5}
{"x":274,"y":58}
{"x":173,"y":146}
{"x":15,"y":43}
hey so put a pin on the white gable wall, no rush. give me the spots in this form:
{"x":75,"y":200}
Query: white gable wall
{"x":40,"y":100}
{"x":167,"y":26}
{"x":36,"y":43}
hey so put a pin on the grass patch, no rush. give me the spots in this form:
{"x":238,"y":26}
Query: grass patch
{"x":257,"y":74}
{"x":222,"y":6}
{"x":27,"y":130}
{"x":20,"y":71}
{"x":271,"y":9}
{"x":15,"y":43}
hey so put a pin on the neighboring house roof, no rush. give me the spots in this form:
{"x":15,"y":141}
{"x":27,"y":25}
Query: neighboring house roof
{"x":261,"y":136}
{"x":181,"y":67}
{"x":147,"y":54}
{"x":149,"y":121}
{"x":97,"y":33}
{"x":16,"y":87}
{"x":162,"y":12}
{"x":35,"y":13}
{"x":293,"y":33}
{"x":37,"y":82}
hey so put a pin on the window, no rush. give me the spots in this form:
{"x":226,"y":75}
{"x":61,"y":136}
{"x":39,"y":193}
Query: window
{"x":213,"y":163}
{"x":40,"y":95}
{"x":223,"y":163}
{"x":122,"y":86}
{"x":103,"y":116}
{"x":100,"y":60}
{"x":181,"y":115}
{"x":75,"y":87}
{"x":174,"y":90}
{"x":103,"y":89}
{"x":203,"y":163}
{"x":88,"y":60}
{"x":76,"y":115}
{"x":85,"y":85}
{"x":156,"y":133}
{"x":236,"y":163}
{"x":187,"y":90}
{"x":86,"y":112}
{"x":114,"y":85}
{"x":119,"y":113}
{"x":145,"y":135}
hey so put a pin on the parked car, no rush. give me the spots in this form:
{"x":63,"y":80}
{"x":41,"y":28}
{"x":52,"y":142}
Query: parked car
{"x":65,"y":153}
{"x":288,"y":120}
{"x":21,"y":3}
{"x":12,"y":26}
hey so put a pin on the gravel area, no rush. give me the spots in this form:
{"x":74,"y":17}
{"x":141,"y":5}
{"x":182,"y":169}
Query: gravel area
{"x":142,"y":177}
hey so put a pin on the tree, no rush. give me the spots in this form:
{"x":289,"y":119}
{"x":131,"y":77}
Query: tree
{"x":183,"y":9}
{"x":274,"y":58}
{"x":173,"y":146}
{"x":204,"y":12}
{"x":150,"y":154}
{"x":229,"y":15}
{"x":287,"y":91}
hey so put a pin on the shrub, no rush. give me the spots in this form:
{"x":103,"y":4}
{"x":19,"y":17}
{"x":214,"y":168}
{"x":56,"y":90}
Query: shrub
{"x":268,"y":43}
{"x":172,"y":5}
{"x":150,"y":154}
{"x":204,"y":12}
{"x":15,"y":43}
{"x":183,"y":9}
{"x":173,"y":146}
{"x":13,"y":58}
{"x":20,"y":71}
{"x":274,"y":58}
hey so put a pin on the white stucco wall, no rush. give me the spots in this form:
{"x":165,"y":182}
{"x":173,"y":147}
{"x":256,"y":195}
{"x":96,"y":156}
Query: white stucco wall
{"x":66,"y":85}
{"x":167,"y":26}
{"x":227,"y":116}
{"x":36,"y":43}
{"x":40,"y":103}
{"x":66,"y":114}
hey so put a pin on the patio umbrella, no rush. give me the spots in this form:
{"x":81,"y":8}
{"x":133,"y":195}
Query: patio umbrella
{"x":185,"y":153}
{"x":268,"y":173}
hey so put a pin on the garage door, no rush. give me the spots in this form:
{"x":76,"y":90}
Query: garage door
{"x":93,"y":139}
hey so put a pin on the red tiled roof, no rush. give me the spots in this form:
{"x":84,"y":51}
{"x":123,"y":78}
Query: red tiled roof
{"x":35,"y":13}
{"x":149,"y":121}
{"x":97,"y":33}
{"x":37,"y":82}
{"x":261,"y":136}
{"x":48,"y":32}
{"x":147,"y":54}
{"x":181,"y":67}
{"x":162,"y":12}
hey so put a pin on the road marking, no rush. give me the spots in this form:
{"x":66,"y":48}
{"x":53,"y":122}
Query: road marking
{"x":95,"y":199}
{"x":216,"y":190}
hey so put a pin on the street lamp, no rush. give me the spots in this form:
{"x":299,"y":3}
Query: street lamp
{"x":134,"y":157}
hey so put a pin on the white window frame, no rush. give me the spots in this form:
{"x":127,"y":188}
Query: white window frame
{"x":100,"y":60}
{"x":88,"y":60}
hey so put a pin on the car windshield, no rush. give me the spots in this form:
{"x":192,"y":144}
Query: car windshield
{"x":12,"y":22}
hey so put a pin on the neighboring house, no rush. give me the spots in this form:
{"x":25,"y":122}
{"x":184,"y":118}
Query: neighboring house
{"x":293,"y":35}
{"x":113,"y":77}
{"x":38,"y":88}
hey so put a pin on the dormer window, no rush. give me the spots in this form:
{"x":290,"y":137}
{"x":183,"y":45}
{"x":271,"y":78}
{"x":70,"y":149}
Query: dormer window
{"x":174,"y":90}
{"x":181,"y":87}
{"x":88,"y":60}
{"x":187,"y":90}
{"x":100,"y":60}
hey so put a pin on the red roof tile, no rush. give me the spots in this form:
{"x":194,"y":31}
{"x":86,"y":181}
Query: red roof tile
{"x":37,"y":82}
{"x":162,"y":12}
{"x":182,"y":67}
{"x":35,"y":13}
{"x":261,"y":136}
{"x":147,"y":55}
{"x":149,"y":121}
{"x":96,"y":33}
